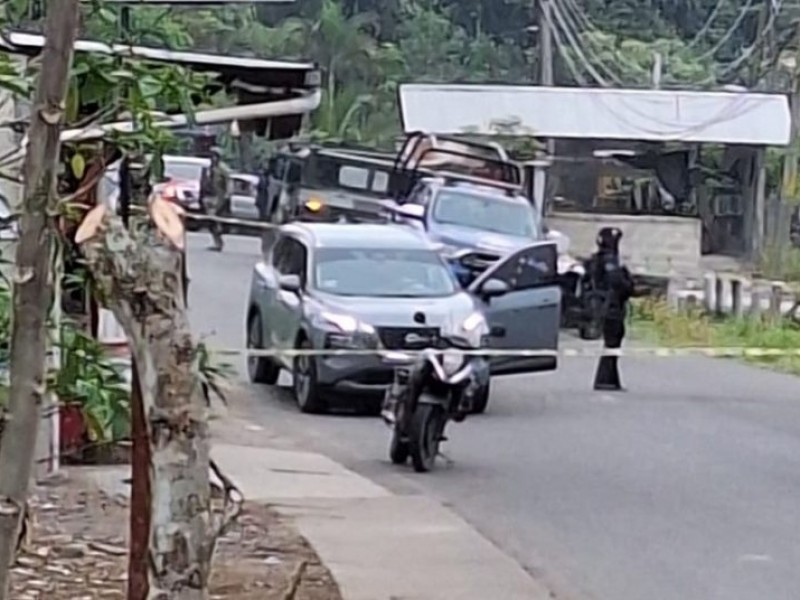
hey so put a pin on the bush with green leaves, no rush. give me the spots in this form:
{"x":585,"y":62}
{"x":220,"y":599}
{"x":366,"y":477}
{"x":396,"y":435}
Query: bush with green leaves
{"x":89,"y":378}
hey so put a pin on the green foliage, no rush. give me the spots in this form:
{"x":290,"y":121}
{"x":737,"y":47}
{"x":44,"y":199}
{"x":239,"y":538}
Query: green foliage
{"x":89,"y":378}
{"x":212,"y":371}
{"x":365,"y":48}
{"x":140,"y":89}
{"x":658,"y":323}
{"x":11,"y":79}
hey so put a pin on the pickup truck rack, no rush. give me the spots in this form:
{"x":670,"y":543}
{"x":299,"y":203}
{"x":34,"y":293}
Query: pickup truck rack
{"x":353,"y":184}
{"x":483,"y":163}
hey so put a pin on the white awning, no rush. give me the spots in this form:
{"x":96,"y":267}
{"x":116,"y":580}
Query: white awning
{"x":590,"y":113}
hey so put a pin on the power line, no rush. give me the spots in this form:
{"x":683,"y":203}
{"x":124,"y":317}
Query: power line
{"x":760,"y":39}
{"x":556,"y":12}
{"x":743,"y":12}
{"x":707,"y":25}
{"x":738,"y":107}
{"x":571,"y":23}
{"x":582,"y":18}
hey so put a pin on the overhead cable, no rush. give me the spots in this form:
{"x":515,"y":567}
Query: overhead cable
{"x":743,"y":12}
{"x":675,"y":131}
{"x":761,"y":36}
{"x":574,"y":26}
{"x":581,"y":17}
{"x":573,"y":43}
{"x":707,"y":25}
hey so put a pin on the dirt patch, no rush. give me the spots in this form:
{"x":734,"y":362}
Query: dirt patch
{"x":76,"y":550}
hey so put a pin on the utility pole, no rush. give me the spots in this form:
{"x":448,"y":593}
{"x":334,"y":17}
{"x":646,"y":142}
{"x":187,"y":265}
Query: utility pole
{"x":545,"y":181}
{"x":545,"y":43}
{"x":765,"y":38}
{"x":33,"y":284}
{"x":790,"y":159}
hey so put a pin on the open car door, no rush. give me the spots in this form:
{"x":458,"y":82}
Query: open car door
{"x":529,"y":311}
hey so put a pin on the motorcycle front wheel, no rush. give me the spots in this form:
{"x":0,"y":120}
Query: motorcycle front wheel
{"x":426,"y":430}
{"x":398,"y":449}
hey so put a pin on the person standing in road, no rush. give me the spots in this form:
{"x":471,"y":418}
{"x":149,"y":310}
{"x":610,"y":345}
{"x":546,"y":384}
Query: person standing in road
{"x":263,"y":203}
{"x":216,"y":195}
{"x":616,"y":281}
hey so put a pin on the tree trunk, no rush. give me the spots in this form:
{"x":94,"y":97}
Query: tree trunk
{"x":33,"y":279}
{"x":138,"y":277}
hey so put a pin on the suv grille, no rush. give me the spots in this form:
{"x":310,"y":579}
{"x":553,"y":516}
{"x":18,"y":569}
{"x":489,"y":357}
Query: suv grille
{"x":395,"y":338}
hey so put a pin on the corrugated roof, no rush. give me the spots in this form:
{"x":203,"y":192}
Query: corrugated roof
{"x":590,"y":113}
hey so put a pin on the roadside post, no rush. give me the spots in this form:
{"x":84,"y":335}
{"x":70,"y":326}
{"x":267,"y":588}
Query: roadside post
{"x":535,"y":174}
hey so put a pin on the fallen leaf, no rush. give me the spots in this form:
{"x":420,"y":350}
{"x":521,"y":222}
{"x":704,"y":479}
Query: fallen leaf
{"x":91,"y":224}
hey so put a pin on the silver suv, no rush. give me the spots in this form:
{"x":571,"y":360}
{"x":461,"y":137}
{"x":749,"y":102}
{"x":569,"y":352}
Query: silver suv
{"x":367,"y":287}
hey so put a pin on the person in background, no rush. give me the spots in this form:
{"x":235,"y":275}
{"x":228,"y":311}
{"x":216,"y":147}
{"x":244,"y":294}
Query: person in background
{"x":263,"y":203}
{"x":216,"y":195}
{"x":616,"y":281}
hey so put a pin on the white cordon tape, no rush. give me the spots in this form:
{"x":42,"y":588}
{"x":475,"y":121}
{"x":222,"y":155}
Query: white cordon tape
{"x":723,"y":352}
{"x":230,"y":221}
{"x":235,"y":221}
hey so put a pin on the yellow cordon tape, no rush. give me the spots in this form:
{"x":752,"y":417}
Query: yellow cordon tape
{"x":664,"y":352}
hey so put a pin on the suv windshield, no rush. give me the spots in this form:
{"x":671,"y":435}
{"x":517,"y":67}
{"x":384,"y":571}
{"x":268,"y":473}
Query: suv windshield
{"x":382,"y":273}
{"x":477,"y":211}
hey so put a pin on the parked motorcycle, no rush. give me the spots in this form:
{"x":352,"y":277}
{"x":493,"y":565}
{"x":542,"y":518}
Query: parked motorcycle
{"x":429,"y":390}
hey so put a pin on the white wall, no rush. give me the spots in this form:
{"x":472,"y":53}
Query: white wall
{"x":652,"y":244}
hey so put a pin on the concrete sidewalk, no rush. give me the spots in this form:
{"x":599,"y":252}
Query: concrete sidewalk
{"x":377,"y":545}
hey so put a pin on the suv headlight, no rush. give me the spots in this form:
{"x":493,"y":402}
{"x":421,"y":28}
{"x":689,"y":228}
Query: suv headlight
{"x":473,"y":329}
{"x":345,"y":331}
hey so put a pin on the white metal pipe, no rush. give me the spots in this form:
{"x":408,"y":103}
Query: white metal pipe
{"x":265,"y":110}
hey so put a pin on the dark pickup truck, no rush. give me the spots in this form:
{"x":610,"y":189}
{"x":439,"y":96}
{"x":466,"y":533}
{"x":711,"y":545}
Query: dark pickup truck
{"x":318,"y":183}
{"x":466,"y":196}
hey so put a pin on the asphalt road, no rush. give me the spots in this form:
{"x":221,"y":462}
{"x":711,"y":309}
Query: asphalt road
{"x":684,"y":488}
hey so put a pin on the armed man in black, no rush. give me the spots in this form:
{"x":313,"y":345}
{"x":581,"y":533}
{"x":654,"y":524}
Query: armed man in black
{"x":614,"y":279}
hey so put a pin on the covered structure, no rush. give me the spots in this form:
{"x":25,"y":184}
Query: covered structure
{"x":605,"y":134}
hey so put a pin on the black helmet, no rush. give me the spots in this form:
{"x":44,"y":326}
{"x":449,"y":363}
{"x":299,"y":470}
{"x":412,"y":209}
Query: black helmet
{"x":608,"y":239}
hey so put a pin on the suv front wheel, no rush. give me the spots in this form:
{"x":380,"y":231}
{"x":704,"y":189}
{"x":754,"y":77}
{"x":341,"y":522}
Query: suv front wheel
{"x":260,"y":369}
{"x":304,"y":381}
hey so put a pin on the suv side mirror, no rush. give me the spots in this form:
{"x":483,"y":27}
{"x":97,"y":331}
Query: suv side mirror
{"x":497,"y":331}
{"x":494,"y":288}
{"x":289,"y":283}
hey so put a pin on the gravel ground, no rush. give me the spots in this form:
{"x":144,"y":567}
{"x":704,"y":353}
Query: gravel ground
{"x":76,"y":550}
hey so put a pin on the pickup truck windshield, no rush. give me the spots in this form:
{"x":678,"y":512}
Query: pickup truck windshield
{"x":477,"y":211}
{"x":390,"y":273}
